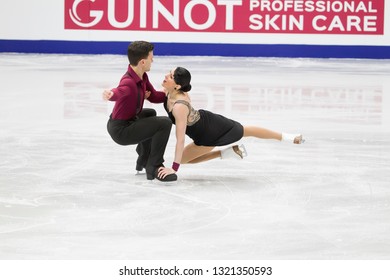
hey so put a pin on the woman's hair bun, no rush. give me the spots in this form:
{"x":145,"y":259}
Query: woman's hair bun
{"x":182,"y":77}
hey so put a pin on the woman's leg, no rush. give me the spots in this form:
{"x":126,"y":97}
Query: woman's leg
{"x":195,"y":154}
{"x":260,"y":132}
{"x":264,"y":133}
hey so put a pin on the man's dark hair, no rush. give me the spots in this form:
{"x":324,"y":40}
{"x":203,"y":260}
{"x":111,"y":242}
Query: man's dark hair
{"x":138,"y":50}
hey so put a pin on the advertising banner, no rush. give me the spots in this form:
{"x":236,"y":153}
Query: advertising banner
{"x":347,"y":17}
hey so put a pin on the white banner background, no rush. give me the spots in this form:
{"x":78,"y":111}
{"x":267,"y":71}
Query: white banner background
{"x":44,"y":20}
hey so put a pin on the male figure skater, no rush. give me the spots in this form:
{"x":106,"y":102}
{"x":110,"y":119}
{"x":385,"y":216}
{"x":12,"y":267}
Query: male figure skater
{"x":129,"y":123}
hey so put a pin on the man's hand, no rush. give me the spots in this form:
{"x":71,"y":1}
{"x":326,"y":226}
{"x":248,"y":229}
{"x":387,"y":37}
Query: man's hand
{"x":107,"y":94}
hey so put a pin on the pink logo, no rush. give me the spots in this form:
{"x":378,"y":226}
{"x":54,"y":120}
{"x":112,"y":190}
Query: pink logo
{"x":76,"y":19}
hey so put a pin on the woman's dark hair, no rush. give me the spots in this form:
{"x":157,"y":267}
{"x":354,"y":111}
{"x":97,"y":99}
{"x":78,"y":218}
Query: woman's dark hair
{"x":138,"y":50}
{"x":182,"y":77}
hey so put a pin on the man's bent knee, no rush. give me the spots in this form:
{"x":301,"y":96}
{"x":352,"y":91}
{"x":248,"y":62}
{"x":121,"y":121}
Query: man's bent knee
{"x":166,"y":122}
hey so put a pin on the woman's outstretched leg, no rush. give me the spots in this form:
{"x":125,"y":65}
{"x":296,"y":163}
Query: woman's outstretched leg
{"x":264,"y":133}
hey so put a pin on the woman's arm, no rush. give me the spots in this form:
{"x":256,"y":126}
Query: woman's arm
{"x":180,"y":112}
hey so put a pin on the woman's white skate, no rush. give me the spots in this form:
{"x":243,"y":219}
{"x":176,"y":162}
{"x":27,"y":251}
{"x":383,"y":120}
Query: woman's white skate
{"x":235,"y":152}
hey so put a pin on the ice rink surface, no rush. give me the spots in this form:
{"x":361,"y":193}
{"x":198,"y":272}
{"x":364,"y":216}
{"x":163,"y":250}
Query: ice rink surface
{"x":67,"y":191}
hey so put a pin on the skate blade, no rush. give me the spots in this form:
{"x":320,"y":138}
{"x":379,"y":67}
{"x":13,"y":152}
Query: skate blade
{"x":162,"y":183}
{"x":156,"y":182}
{"x":243,"y":151}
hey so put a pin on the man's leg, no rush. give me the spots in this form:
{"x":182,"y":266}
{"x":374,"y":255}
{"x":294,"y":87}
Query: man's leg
{"x":155,"y":129}
{"x":143,"y":148}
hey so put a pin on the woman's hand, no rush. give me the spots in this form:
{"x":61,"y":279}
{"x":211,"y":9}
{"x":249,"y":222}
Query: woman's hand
{"x":165,"y":171}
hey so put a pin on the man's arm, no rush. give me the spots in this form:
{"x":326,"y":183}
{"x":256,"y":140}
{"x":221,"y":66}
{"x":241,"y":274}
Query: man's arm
{"x":155,"y":96}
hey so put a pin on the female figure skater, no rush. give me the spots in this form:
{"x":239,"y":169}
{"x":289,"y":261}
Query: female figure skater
{"x":206,"y":129}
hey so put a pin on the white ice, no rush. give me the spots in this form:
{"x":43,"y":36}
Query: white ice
{"x":67,"y":191}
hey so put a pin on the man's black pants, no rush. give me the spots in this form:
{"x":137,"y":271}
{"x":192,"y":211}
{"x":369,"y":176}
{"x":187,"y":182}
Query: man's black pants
{"x":148,"y":131}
